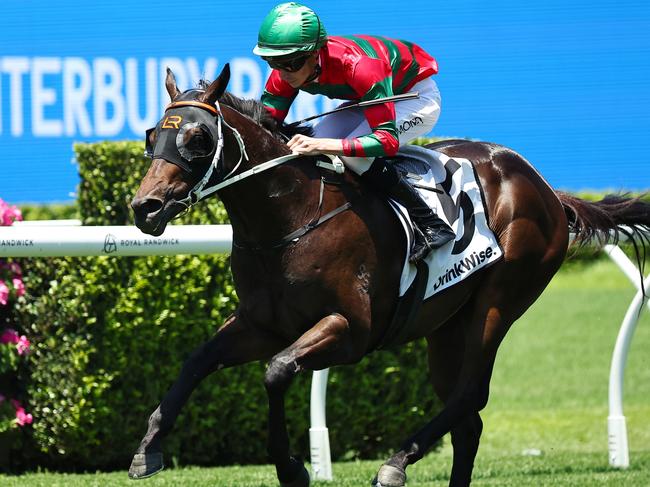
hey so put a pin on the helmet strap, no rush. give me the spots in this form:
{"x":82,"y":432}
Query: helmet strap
{"x":314,"y":75}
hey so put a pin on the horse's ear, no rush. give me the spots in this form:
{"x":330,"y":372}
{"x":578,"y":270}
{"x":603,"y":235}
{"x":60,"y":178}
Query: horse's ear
{"x":170,"y":84}
{"x":218,"y":86}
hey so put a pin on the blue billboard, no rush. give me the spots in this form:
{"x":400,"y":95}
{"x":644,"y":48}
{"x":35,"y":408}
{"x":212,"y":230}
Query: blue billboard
{"x":567,"y":84}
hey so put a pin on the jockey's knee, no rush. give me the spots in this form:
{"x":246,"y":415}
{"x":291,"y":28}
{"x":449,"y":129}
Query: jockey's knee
{"x":381,"y":175}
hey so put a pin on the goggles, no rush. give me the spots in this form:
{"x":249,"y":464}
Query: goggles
{"x":290,"y":65}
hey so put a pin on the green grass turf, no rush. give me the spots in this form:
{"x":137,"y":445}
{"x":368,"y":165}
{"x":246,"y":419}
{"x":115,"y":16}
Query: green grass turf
{"x":549,"y":393}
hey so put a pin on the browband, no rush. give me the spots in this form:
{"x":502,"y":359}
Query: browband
{"x":197,"y":104}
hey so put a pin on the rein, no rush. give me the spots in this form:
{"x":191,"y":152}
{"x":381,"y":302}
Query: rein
{"x":200,"y":191}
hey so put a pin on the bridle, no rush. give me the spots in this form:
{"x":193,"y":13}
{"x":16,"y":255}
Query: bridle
{"x":201,"y":190}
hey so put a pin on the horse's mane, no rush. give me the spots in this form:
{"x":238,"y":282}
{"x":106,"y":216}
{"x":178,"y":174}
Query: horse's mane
{"x":256,"y":111}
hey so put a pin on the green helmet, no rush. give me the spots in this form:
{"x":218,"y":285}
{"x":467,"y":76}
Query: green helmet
{"x":290,"y":28}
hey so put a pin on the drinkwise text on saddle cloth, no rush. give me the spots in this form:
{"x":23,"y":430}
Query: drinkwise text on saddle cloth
{"x":467,"y":264}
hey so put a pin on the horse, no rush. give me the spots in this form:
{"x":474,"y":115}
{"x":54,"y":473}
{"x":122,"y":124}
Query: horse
{"x":316,"y":261}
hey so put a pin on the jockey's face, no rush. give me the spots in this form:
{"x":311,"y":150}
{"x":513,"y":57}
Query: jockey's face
{"x":297,"y":78}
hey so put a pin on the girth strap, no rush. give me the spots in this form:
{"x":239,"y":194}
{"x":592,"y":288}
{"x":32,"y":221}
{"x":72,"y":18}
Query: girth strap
{"x":406,"y":312}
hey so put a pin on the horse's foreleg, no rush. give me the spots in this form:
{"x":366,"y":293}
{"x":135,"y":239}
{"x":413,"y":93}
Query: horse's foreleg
{"x":327,"y":343}
{"x":235,"y":343}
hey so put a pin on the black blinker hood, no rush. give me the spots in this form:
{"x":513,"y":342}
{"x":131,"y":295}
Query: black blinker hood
{"x":169,"y":141}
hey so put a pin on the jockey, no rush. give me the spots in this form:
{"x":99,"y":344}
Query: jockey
{"x":293,"y":41}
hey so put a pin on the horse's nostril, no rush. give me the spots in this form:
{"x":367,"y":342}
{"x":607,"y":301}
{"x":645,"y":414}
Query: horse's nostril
{"x":147,"y":206}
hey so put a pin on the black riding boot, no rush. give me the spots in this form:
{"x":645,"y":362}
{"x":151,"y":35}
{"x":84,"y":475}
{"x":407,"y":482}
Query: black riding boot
{"x":431,"y":231}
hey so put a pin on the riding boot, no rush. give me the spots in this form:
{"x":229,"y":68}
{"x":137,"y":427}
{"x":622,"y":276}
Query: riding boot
{"x":431,"y":232}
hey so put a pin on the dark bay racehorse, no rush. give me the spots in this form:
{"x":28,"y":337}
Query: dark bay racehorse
{"x":326,"y":297}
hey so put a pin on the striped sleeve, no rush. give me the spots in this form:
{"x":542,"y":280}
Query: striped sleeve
{"x":372,"y":79}
{"x":278,"y":96}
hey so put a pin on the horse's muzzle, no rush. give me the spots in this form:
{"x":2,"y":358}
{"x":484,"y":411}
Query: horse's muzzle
{"x":150,"y":215}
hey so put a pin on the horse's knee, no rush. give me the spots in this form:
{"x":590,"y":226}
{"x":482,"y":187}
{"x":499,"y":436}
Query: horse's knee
{"x":470,"y":400}
{"x":468,"y":431}
{"x":279,"y":373}
{"x":479,"y":398}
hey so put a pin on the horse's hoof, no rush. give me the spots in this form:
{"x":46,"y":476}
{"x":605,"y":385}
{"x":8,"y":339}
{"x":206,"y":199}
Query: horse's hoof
{"x":389,"y":476}
{"x":145,"y":465}
{"x":302,"y":480}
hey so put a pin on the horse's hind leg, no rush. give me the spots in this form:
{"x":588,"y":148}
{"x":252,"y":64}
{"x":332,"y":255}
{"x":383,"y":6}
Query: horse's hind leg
{"x":508,"y":289}
{"x":327,"y":343}
{"x":234,"y":343}
{"x":445,"y":348}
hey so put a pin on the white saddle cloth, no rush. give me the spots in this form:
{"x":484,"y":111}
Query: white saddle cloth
{"x":449,"y":187}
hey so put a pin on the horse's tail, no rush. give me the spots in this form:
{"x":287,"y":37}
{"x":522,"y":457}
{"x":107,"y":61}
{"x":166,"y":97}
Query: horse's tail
{"x":606,"y":220}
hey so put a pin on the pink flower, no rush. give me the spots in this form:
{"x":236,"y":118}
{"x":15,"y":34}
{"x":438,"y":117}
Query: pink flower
{"x":23,"y":418}
{"x":9,"y":336}
{"x":23,"y":345}
{"x":2,"y":398}
{"x":18,"y":286}
{"x":4,"y":293}
{"x":18,"y":215}
{"x":9,"y":214}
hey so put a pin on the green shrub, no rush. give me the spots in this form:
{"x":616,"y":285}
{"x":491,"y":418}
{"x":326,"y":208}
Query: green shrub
{"x":57,"y":211}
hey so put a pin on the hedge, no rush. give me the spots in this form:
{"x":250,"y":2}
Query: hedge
{"x":109,"y":335}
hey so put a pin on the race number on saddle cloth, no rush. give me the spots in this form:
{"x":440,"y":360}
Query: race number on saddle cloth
{"x":449,"y":186}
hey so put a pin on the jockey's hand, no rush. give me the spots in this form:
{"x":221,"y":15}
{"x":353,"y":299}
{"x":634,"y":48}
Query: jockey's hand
{"x":301,"y":144}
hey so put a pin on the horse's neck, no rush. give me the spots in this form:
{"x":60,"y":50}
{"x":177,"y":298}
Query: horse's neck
{"x":268,"y":206}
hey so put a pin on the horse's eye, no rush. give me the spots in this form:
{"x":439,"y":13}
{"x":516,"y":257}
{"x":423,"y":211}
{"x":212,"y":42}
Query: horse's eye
{"x":199,"y":141}
{"x":194,"y":142}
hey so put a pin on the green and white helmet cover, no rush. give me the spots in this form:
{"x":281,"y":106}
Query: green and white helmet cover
{"x":290,"y":28}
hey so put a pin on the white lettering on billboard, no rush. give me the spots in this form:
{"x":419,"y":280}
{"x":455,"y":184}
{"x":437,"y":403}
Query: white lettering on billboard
{"x":106,"y":97}
{"x":245,"y":78}
{"x":44,"y":96}
{"x":139,"y":124}
{"x":77,"y":87}
{"x":108,"y":93}
{"x":16,"y":67}
{"x":208,"y":73}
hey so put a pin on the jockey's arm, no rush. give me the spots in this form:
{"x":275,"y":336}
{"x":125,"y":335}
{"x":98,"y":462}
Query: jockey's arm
{"x":370,"y":81}
{"x":382,"y":141}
